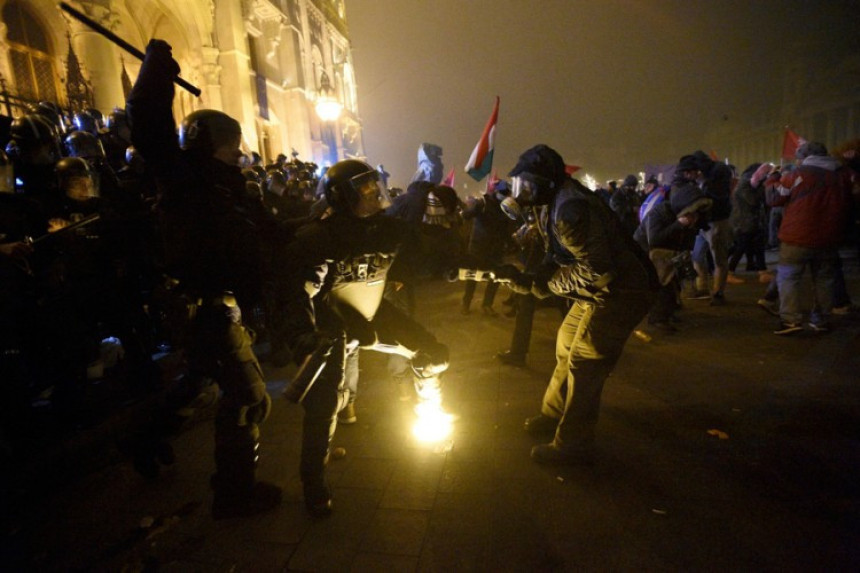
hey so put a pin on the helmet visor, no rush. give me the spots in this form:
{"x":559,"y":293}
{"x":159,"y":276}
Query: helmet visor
{"x":371,"y":195}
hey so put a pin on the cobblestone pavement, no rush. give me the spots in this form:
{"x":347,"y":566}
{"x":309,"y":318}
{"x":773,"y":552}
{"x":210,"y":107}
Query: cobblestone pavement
{"x":721,"y":447}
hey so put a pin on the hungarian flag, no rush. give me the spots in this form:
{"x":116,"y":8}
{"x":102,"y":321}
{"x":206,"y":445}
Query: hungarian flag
{"x":790,"y":142}
{"x":449,"y":180}
{"x":481,"y":161}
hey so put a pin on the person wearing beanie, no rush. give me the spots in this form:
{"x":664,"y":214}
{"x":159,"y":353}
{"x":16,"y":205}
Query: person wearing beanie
{"x":818,"y":211}
{"x":610,"y":284}
{"x":668,"y":230}
{"x":749,"y":219}
{"x":625,"y":203}
{"x":715,"y":237}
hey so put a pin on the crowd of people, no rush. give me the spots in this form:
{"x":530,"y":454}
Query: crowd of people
{"x":130,"y":228}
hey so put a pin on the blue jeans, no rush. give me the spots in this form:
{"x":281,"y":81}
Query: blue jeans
{"x":793,"y":261}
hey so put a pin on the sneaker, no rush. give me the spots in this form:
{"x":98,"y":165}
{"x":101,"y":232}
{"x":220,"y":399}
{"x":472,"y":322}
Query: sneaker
{"x":511,"y":359}
{"x":263,"y":497}
{"x":664,"y":326}
{"x":764,"y":277}
{"x":488,"y":311}
{"x":843,"y":310}
{"x":552,"y":454}
{"x":699,"y":295}
{"x":819,"y":327}
{"x":718,"y":299}
{"x":347,"y":415}
{"x":788,"y":328}
{"x":464,"y":309}
{"x":769,"y":306}
{"x":734,"y":279}
{"x":540,"y":425}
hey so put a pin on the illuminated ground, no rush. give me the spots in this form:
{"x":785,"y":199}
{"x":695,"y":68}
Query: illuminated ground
{"x":781,"y":492}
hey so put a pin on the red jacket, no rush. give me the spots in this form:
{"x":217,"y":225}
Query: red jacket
{"x":818,"y":203}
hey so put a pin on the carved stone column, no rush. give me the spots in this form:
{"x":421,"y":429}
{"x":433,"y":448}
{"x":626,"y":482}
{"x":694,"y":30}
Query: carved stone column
{"x":210,"y":71}
{"x":99,"y":57}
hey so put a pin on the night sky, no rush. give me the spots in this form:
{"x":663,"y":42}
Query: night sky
{"x":611,"y":85}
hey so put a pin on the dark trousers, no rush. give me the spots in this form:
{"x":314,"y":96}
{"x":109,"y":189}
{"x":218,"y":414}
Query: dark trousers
{"x":521,"y":339}
{"x":489,"y":293}
{"x":330,"y":394}
{"x":752,"y":246}
{"x":221,"y":349}
{"x":665,"y":302}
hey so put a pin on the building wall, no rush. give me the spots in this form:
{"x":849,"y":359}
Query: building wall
{"x":253,"y":59}
{"x":818,"y":103}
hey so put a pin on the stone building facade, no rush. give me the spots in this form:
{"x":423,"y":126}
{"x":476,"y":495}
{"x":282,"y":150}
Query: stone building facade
{"x":263,"y":62}
{"x":819,"y":103}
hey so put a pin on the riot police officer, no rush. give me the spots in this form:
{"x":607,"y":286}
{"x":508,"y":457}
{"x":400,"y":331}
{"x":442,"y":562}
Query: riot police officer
{"x":335,"y":290}
{"x":212,"y":234}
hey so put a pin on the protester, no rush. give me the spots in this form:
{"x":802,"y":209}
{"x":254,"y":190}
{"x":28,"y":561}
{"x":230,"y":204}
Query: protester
{"x":668,"y":232}
{"x":490,"y":236}
{"x":611,"y":285}
{"x":748,"y":221}
{"x":818,"y":210}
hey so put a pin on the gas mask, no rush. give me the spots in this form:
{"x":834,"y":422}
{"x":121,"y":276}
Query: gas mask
{"x":531,"y":189}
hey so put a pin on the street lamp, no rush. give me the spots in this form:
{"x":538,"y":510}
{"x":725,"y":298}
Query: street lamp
{"x":328,"y":108}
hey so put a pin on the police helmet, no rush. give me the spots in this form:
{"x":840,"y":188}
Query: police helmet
{"x":30,"y":132}
{"x":68,"y":167}
{"x":133,"y":158}
{"x":85,"y":121}
{"x":276,"y":182}
{"x":84,"y":144}
{"x":251,"y":175}
{"x":343,"y":180}
{"x":117,"y":123}
{"x":75,"y":178}
{"x":53,"y":113}
{"x":207,"y":129}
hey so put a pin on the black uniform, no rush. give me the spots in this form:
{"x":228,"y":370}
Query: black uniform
{"x":213,"y":236}
{"x":336,"y":291}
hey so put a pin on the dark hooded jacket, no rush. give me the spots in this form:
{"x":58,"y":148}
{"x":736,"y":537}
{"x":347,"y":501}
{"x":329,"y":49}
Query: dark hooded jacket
{"x":661,"y":230}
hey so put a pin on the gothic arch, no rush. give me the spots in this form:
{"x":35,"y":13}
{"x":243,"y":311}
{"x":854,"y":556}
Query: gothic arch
{"x":32,"y":51}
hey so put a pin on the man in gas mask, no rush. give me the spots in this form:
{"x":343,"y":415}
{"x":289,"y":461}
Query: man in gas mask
{"x":610,"y":283}
{"x":335,"y":284}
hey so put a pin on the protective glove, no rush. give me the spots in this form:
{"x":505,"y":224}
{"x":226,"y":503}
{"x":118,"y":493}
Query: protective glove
{"x":540,"y":284}
{"x":305,"y":344}
{"x":515,"y":279}
{"x":430,"y":362}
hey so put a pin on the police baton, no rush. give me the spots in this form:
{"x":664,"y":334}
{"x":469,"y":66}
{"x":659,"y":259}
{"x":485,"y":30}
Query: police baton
{"x":121,"y":43}
{"x":67,"y":229}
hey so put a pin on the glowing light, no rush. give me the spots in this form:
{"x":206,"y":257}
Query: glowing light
{"x":433,"y":424}
{"x":328,"y":108}
{"x":589,"y":182}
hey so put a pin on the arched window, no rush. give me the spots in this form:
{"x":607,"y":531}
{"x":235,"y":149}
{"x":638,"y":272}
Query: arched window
{"x":29,"y":54}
